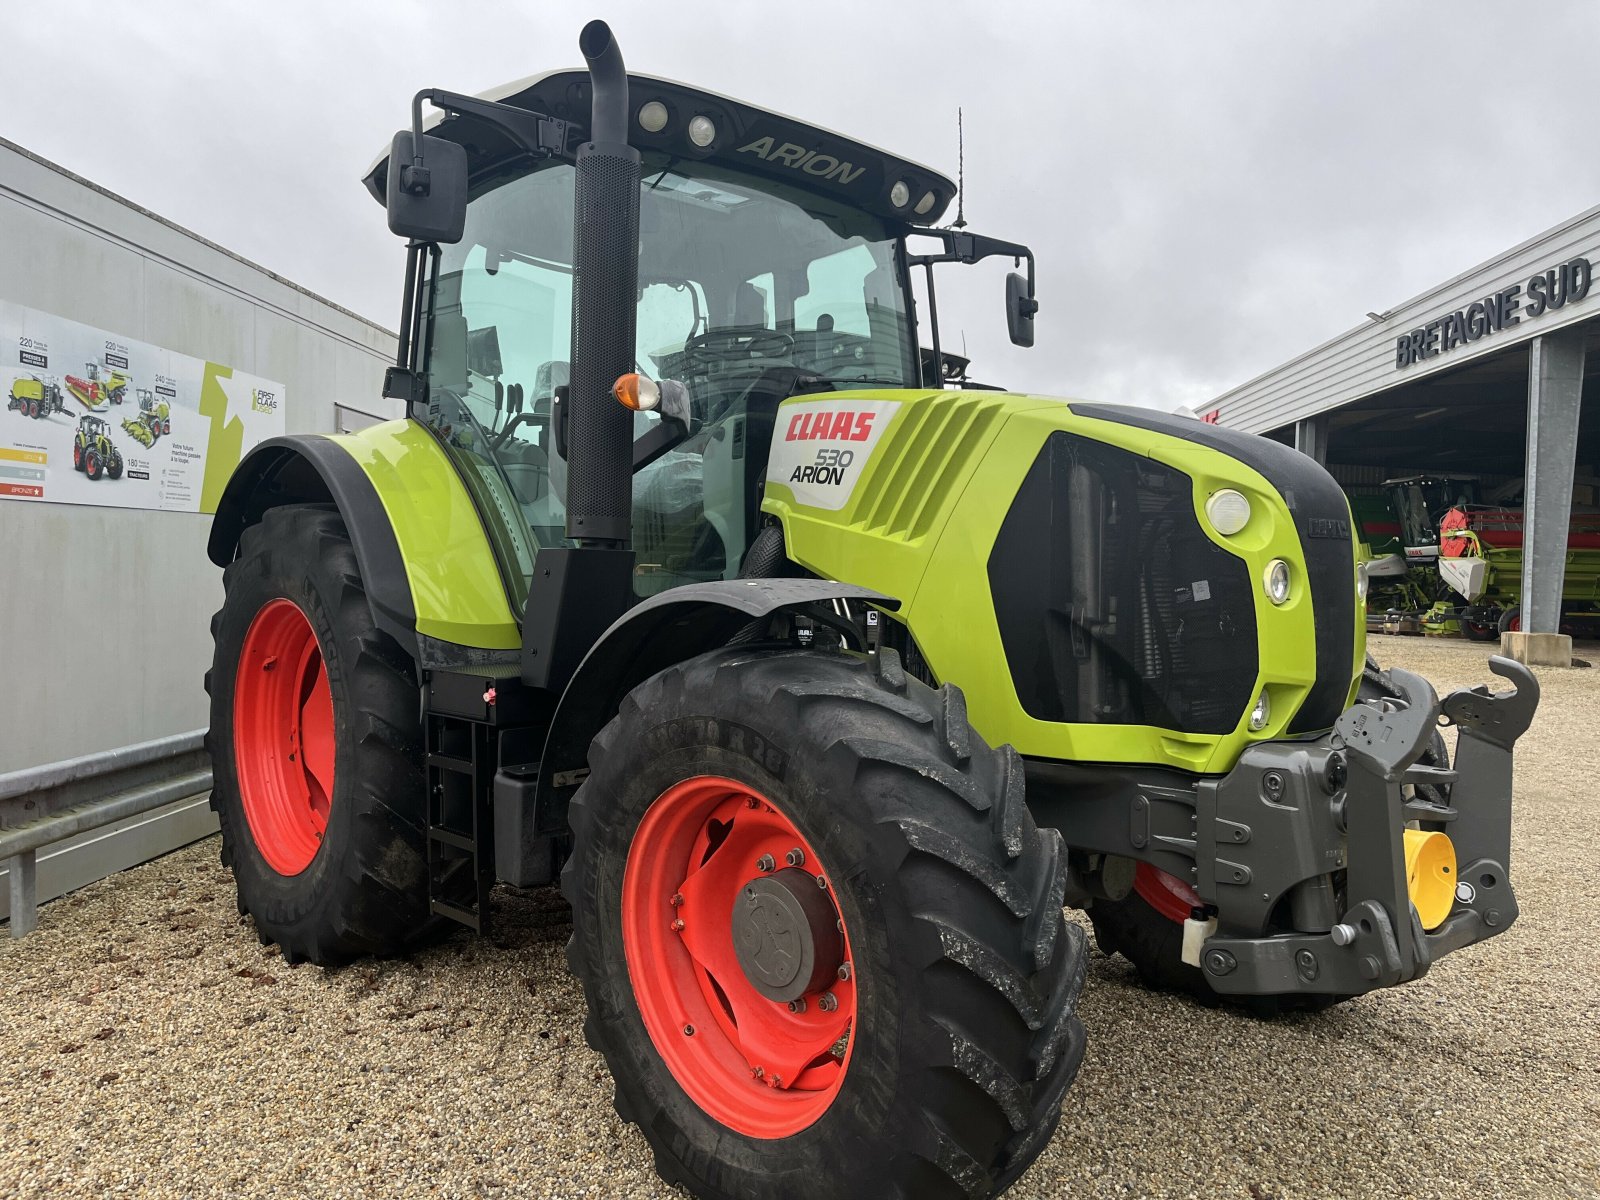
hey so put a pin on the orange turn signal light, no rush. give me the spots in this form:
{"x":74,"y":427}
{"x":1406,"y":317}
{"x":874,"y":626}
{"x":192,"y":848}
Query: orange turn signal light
{"x":635,"y":391}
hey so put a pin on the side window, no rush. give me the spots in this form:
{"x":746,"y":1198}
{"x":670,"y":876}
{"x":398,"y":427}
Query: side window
{"x":499,"y":329}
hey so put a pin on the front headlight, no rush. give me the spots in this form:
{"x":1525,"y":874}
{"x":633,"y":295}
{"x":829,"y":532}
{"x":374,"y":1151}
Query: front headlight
{"x":1361,"y":582}
{"x":1261,"y":713}
{"x":1228,"y":511}
{"x":1277,"y":581}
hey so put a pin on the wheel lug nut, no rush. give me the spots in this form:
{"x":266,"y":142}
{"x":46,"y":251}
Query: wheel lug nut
{"x":822,"y":882}
{"x":844,"y":971}
{"x":795,"y":857}
{"x":688,"y":1031}
{"x":765,"y":863}
{"x":677,"y":926}
{"x":797,"y":1006}
{"x":828,"y":1002}
{"x":677,"y":901}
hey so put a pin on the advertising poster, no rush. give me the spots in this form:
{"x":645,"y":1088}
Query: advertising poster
{"x":93,"y":417}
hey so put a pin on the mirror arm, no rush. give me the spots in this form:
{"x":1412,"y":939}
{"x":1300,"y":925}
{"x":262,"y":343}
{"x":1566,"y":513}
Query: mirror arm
{"x":407,"y":302}
{"x":539,"y":135}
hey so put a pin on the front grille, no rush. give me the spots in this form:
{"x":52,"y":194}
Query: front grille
{"x":1321,"y":517}
{"x":1114,"y":607}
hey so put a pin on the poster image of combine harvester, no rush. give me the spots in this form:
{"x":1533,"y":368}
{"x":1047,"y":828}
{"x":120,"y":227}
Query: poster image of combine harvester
{"x":101,"y":385}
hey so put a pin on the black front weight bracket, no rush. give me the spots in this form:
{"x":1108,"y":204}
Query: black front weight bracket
{"x":1379,"y":941}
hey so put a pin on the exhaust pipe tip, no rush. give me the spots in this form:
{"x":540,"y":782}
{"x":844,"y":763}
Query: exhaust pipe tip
{"x":608,"y":84}
{"x":594,"y":40}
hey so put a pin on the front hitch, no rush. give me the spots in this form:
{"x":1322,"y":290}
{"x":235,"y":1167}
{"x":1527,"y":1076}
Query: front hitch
{"x":1379,"y":941}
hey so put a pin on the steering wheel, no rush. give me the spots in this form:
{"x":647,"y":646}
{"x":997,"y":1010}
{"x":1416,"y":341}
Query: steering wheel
{"x":736,"y":343}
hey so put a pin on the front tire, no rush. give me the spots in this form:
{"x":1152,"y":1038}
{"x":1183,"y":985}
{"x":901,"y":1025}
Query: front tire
{"x":316,"y":747}
{"x":954,"y":1003}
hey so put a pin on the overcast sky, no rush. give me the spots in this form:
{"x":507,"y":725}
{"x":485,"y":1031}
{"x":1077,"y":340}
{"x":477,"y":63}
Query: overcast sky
{"x":1211,"y":188}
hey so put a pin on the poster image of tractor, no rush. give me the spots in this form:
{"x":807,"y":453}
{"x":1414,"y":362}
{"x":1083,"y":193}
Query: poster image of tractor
{"x":153,"y":420}
{"x":35,"y":396}
{"x":103,"y":386}
{"x":93,"y":451}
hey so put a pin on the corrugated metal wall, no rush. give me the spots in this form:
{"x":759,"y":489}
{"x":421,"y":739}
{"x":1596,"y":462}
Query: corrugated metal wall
{"x":1361,"y":363}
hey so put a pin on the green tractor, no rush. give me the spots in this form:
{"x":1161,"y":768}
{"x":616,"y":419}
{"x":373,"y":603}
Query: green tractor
{"x":35,"y":396}
{"x":93,"y":451}
{"x":821,"y":689}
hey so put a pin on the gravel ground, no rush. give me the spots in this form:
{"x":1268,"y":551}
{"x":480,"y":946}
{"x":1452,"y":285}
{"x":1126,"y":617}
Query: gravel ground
{"x":153,"y":1047}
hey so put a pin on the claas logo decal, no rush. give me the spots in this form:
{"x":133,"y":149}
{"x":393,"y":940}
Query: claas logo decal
{"x":830,"y":463}
{"x":833,"y":426}
{"x":823,"y":447}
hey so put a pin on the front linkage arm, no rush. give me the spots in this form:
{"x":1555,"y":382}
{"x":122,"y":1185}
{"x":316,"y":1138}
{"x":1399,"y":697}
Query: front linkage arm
{"x":1379,"y":941}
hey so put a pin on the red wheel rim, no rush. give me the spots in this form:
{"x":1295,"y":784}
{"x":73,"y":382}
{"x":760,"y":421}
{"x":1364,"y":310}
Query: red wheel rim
{"x":1167,"y":894}
{"x":750,"y":1062}
{"x":283,"y":736}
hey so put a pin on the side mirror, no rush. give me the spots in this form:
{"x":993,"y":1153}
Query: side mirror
{"x":427,"y":188}
{"x":1020,"y":307}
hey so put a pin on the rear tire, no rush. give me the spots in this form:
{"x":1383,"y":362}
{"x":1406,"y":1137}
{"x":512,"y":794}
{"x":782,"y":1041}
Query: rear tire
{"x":1511,"y":620}
{"x":965,"y":975}
{"x":1152,"y":939}
{"x":364,"y":889}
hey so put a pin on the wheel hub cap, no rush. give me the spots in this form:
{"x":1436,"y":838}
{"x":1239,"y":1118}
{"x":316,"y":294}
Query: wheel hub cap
{"x":786,"y":934}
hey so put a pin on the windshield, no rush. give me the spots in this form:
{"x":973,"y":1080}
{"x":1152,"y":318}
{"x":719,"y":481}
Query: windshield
{"x":747,"y":294}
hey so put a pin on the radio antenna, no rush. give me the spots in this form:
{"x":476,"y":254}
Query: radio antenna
{"x":961,"y":174}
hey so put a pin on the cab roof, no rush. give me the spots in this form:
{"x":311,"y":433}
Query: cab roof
{"x":745,"y":138}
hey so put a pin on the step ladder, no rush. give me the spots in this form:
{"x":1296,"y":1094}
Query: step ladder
{"x":461,"y":767}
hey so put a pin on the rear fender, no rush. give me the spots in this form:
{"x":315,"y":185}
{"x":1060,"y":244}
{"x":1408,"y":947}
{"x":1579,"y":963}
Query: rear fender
{"x":425,"y":558}
{"x":312,"y":469}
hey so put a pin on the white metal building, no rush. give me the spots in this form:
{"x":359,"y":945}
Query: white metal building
{"x":106,"y":633}
{"x":1493,"y":372}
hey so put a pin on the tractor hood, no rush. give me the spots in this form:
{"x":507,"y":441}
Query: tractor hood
{"x":740,"y":136}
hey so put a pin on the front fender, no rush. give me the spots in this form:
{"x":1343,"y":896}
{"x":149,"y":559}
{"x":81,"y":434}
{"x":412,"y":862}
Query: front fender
{"x":664,"y":630}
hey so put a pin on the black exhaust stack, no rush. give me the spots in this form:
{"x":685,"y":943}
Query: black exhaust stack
{"x":605,"y":285}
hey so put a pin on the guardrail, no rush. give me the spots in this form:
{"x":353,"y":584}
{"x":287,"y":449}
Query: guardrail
{"x":40,"y":806}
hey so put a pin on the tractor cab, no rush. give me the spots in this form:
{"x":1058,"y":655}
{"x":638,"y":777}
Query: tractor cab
{"x":774,"y":260}
{"x":1421,"y":501}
